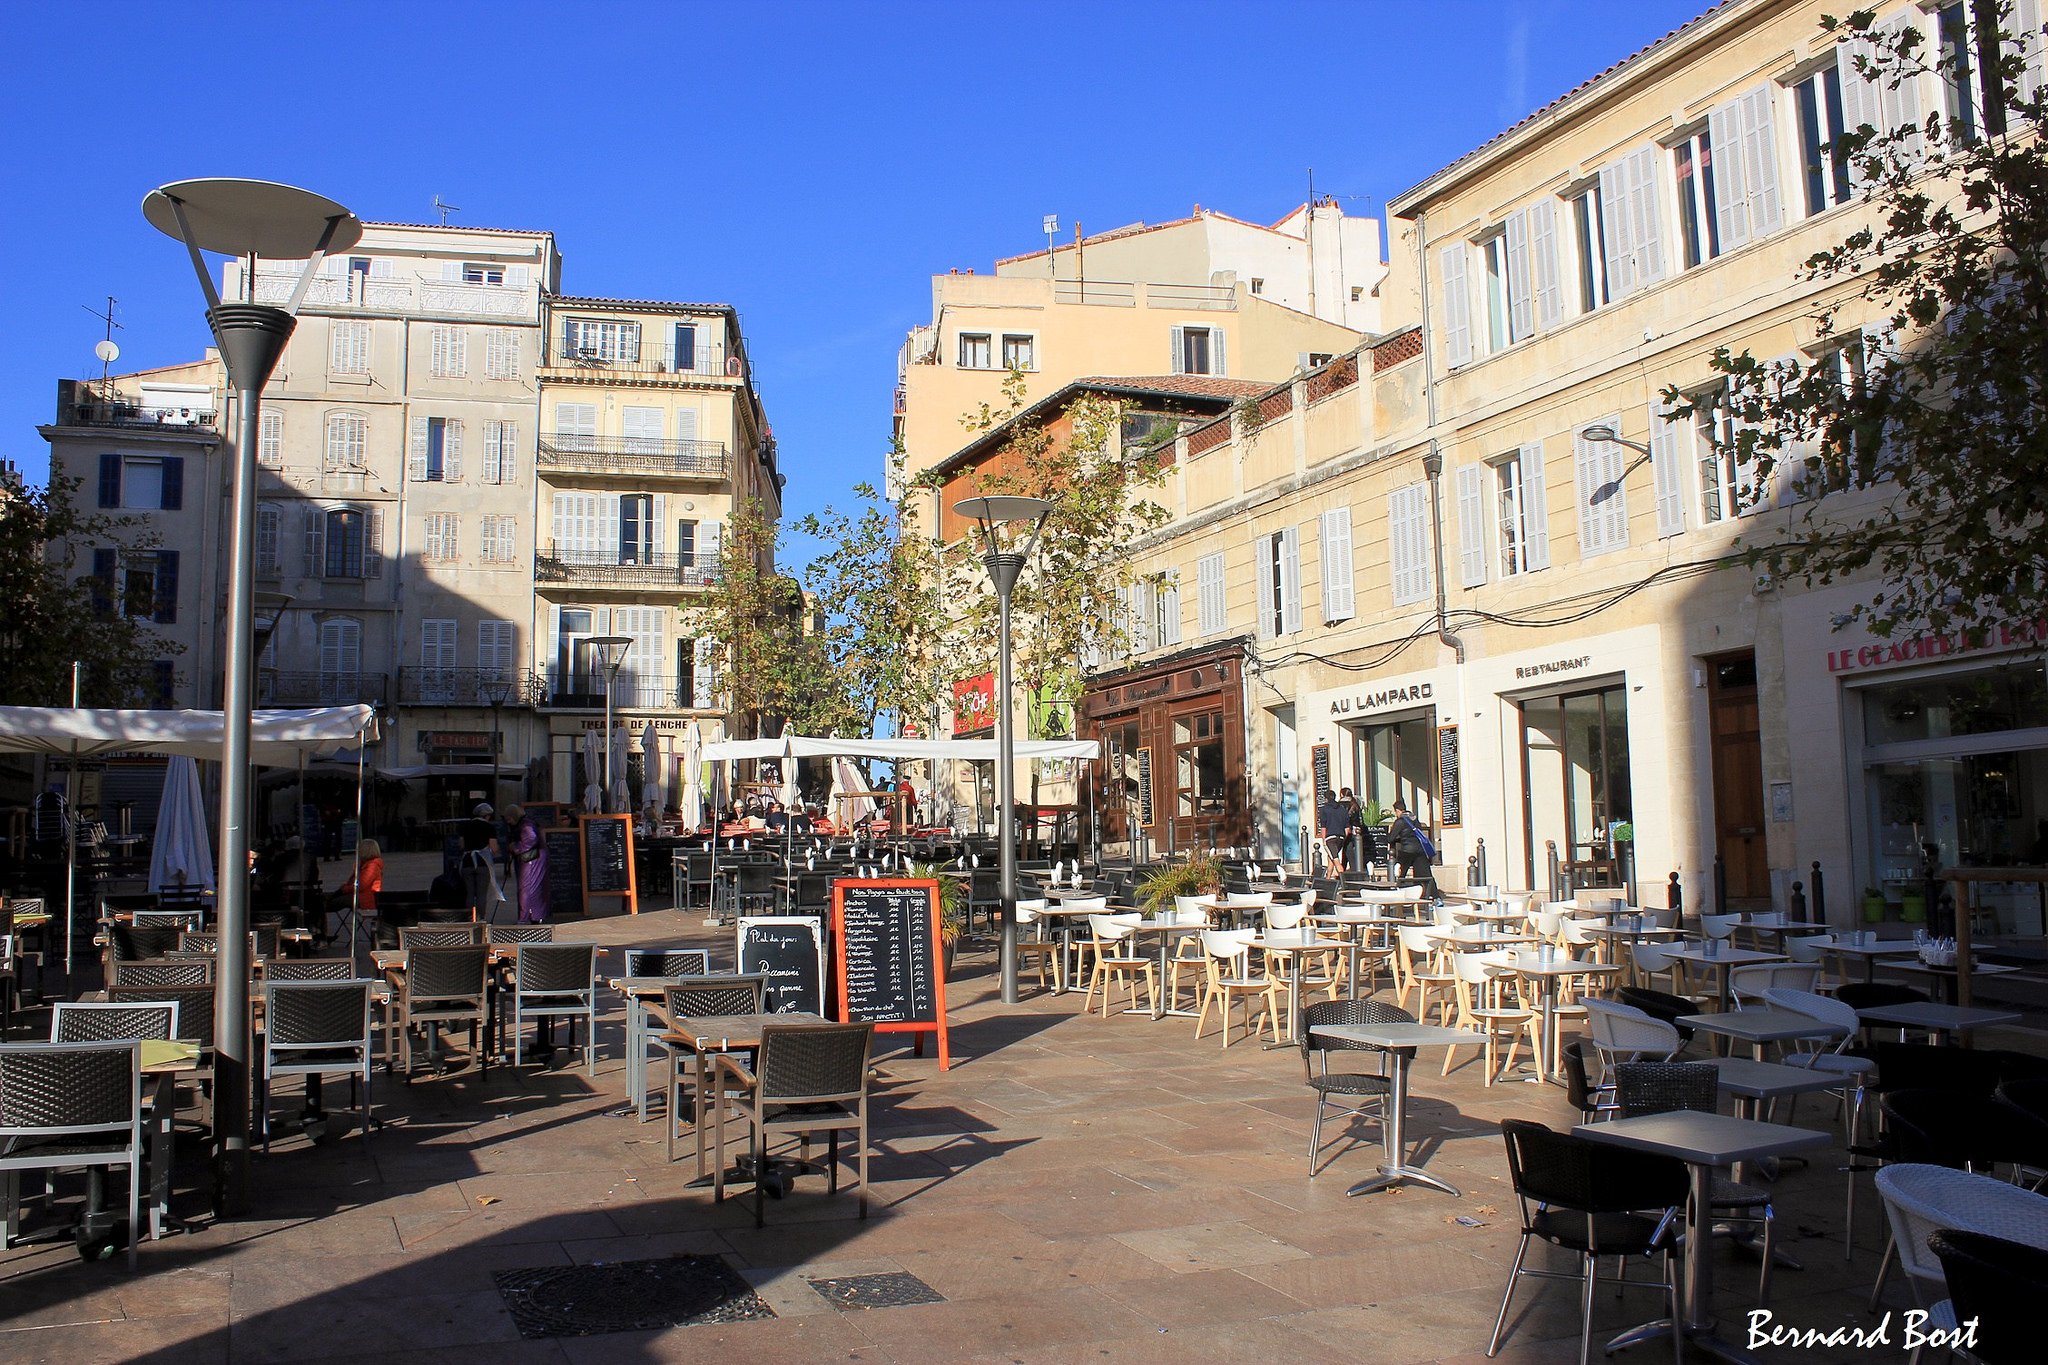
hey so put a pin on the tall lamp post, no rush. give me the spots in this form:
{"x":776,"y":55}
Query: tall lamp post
{"x":495,"y":691}
{"x":1004,"y":565}
{"x":253,"y":220}
{"x":611,"y":654}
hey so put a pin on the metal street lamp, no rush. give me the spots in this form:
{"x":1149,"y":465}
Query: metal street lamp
{"x":1004,"y":565}
{"x":611,"y":654}
{"x":1606,"y":435}
{"x":253,"y":220}
{"x":495,"y":691}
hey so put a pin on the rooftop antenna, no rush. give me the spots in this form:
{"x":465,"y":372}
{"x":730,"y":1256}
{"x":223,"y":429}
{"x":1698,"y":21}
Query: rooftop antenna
{"x":106,"y":350}
{"x":1052,"y":226}
{"x":444,"y":209}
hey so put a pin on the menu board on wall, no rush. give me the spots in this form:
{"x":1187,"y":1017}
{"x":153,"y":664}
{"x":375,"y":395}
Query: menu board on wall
{"x":887,"y":956}
{"x":1450,"y":800}
{"x":1145,"y":786}
{"x":1319,"y":766}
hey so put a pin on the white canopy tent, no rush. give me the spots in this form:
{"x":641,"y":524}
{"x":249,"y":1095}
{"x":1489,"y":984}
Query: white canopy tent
{"x":802,"y":746}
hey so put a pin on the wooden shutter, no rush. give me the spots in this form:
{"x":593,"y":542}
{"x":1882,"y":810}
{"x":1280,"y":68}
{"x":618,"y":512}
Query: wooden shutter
{"x":106,"y":563}
{"x":704,"y":654}
{"x":1408,"y":543}
{"x":1179,"y":338}
{"x":1219,"y":362}
{"x":1210,"y":603}
{"x":373,"y":543}
{"x":1646,"y":212}
{"x":1760,"y":160}
{"x":574,"y":420}
{"x":267,"y":518}
{"x":1899,"y":103}
{"x":494,"y":458}
{"x":270,"y":444}
{"x":437,"y":645}
{"x":711,"y":553}
{"x":686,"y":429}
{"x":416,"y":452}
{"x":341,"y":654}
{"x":2026,"y":35}
{"x":1544,"y":261}
{"x":496,"y":646}
{"x":1472,"y":522}
{"x":451,"y":451}
{"x":1535,"y":507}
{"x":608,"y":527}
{"x":1667,"y":470}
{"x":173,"y":498}
{"x":166,"y":587}
{"x":1453,"y":262}
{"x":315,"y":523}
{"x":1339,"y":598}
{"x":659,"y":520}
{"x":1265,"y":560}
{"x":110,"y":480}
{"x":1521,"y":279}
{"x":642,"y":429}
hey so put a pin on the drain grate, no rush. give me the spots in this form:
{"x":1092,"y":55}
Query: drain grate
{"x":897,"y":1289}
{"x":628,"y":1296}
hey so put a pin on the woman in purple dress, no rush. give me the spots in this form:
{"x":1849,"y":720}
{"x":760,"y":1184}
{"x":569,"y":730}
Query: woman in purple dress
{"x":530,"y":861}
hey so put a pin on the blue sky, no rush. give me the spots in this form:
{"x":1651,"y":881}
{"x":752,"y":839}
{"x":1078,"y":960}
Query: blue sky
{"x":812,"y":164}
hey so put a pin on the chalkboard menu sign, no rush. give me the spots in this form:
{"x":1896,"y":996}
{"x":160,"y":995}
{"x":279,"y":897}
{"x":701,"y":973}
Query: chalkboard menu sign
{"x":547,"y":814}
{"x":888,"y":958}
{"x":790,"y":951}
{"x":1376,"y":845}
{"x":1319,"y":765}
{"x":608,"y":858}
{"x":1450,"y":800}
{"x":1145,"y":786}
{"x":565,"y":871}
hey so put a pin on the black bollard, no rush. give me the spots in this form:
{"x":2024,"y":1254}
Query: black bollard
{"x":1818,"y":902}
{"x":1550,"y":851}
{"x":1720,"y":886}
{"x":1674,"y":895}
{"x":1796,"y":907}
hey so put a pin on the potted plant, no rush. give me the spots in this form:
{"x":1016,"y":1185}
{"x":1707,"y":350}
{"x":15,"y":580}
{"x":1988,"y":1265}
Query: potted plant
{"x":1200,"y":875}
{"x":1913,"y":907}
{"x":952,"y":907}
{"x":1873,"y":905}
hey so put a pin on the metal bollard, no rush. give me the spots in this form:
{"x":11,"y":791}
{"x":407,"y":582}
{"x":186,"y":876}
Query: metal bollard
{"x":1720,"y":886}
{"x":1674,"y":896}
{"x":1479,"y":853}
{"x":1550,"y":852}
{"x":1795,"y":906}
{"x":1818,"y":902}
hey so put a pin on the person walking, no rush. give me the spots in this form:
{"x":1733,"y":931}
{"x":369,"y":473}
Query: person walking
{"x":479,"y":835}
{"x":530,"y":864}
{"x":1333,"y":823}
{"x":1410,"y":849}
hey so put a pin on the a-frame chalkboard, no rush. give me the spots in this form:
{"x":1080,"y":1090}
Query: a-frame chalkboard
{"x":888,"y":957}
{"x":607,"y":846}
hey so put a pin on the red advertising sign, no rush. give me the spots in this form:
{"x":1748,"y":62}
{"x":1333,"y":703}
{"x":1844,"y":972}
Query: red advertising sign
{"x":974,"y":704}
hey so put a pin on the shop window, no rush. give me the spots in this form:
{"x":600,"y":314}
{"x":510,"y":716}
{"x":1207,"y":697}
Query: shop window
{"x":1575,"y":761}
{"x":1198,"y":764}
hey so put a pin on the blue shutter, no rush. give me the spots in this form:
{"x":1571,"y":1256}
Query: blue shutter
{"x":174,"y":483}
{"x":103,"y":562}
{"x":166,"y":587}
{"x":686,"y":348}
{"x":110,"y":480}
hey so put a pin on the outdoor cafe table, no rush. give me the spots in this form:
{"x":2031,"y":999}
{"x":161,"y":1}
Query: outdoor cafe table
{"x":1166,"y":930}
{"x":1294,"y":944}
{"x":1480,"y":912}
{"x":1400,"y":1042}
{"x":1943,"y":979}
{"x":1753,"y":1083}
{"x":164,"y":1062}
{"x":1939,"y":1020}
{"x":707,"y":1034}
{"x":1351,"y":925}
{"x":1760,"y":1027}
{"x":1550,"y":971}
{"x":1705,"y":1143}
{"x":1695,"y":955}
{"x":1871,"y":952}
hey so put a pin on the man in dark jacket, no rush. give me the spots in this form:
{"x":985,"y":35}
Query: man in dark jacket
{"x":1333,"y":822}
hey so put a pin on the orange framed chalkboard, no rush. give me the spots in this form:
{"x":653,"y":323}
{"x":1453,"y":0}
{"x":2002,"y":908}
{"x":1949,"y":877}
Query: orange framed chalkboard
{"x":606,"y":842}
{"x":888,"y":959}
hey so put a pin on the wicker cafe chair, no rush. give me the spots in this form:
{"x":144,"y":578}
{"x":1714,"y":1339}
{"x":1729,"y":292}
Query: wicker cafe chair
{"x":1344,"y":1092}
{"x":556,"y":981}
{"x":167,"y":919}
{"x":702,"y":998}
{"x":69,"y":1105}
{"x":808,"y":1079}
{"x":162,"y":971}
{"x":130,"y":942}
{"x":2000,"y":1285}
{"x":658,"y":964}
{"x":1665,"y":1087}
{"x":444,"y":985}
{"x":310,"y":969}
{"x":317,"y":1028}
{"x":1587,"y":1197}
{"x":113,"y":1023}
{"x":439,"y":936}
{"x":195,"y":1018}
{"x":520,"y":933}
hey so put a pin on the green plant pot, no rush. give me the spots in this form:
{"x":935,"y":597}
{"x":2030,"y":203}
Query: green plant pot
{"x":1913,"y":909}
{"x":1873,"y":909}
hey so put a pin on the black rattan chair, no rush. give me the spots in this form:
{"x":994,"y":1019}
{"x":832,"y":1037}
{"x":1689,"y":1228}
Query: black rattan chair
{"x":1659,"y":1005}
{"x":1663,"y":1087}
{"x":317,"y":1028}
{"x":64,"y":1106}
{"x":1578,"y":1085}
{"x":109,"y":1022}
{"x":695,"y":999}
{"x":670,"y":962}
{"x":556,"y":981}
{"x":439,"y":936}
{"x":1334,"y":1088}
{"x":808,"y":1079}
{"x":162,"y":971}
{"x":519,"y":933}
{"x":131,"y":942}
{"x":444,"y":985}
{"x":310,"y":969}
{"x":1998,"y":1284}
{"x":1588,"y":1197}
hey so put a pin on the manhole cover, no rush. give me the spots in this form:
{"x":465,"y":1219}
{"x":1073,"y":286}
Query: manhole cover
{"x":897,"y":1289}
{"x":628,"y":1296}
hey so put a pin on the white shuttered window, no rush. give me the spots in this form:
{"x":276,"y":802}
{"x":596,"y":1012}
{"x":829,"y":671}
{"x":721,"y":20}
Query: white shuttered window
{"x":1632,"y":221}
{"x":1603,"y":501}
{"x":270,"y":441}
{"x":498,"y":539}
{"x":1408,"y":542}
{"x":1472,"y":524}
{"x":450,"y":356}
{"x":1667,"y":471}
{"x":1745,"y":162}
{"x":348,"y":349}
{"x":1212,"y":609}
{"x":1454,"y":264}
{"x":501,"y":354}
{"x":1339,"y":599}
{"x":497,"y":647}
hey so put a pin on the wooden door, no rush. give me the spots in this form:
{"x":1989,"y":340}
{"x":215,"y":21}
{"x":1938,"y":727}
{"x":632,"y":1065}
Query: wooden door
{"x":1738,"y":776}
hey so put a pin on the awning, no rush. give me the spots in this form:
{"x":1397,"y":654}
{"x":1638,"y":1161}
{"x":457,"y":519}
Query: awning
{"x":275,"y":737}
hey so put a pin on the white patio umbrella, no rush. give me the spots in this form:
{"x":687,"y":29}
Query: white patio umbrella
{"x":622,"y":792}
{"x":593,"y":791}
{"x":789,"y":796}
{"x":846,"y":779}
{"x":182,"y":854}
{"x":693,"y":776}
{"x":650,"y":768}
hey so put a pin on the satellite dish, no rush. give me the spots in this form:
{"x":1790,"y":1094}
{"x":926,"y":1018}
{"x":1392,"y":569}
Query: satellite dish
{"x":107,"y":351}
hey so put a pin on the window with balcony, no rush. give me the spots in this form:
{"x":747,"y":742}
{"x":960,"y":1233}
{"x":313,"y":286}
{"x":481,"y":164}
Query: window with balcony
{"x":497,"y":649}
{"x":600,"y":339}
{"x":347,"y":439}
{"x":976,"y":351}
{"x":348,"y":350}
{"x":636,"y":528}
{"x":438,"y":660}
{"x":474,"y":272}
{"x":1020,"y":352}
{"x":341,"y":658}
{"x":1823,"y":169}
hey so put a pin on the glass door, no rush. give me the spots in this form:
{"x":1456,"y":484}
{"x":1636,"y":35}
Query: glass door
{"x":1575,"y":773}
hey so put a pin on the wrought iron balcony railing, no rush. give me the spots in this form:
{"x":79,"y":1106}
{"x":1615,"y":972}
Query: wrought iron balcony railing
{"x":457,"y":686}
{"x":604,"y":569}
{"x":637,"y":455}
{"x":554,"y":689}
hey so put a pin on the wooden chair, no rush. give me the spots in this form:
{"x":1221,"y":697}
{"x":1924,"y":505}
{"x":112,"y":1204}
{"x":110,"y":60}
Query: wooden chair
{"x":1230,"y":977}
{"x":1489,"y":1001}
{"x":1034,"y":947}
{"x":1117,"y":957}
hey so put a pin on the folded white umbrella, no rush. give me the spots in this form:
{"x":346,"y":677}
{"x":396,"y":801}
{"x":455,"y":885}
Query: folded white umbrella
{"x":693,"y":776}
{"x":181,"y":853}
{"x":622,"y":792}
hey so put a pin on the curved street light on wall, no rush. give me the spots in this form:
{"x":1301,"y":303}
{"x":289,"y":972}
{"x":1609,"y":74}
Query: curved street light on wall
{"x":1606,"y":435}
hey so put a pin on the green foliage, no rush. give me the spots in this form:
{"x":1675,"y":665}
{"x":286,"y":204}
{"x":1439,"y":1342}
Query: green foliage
{"x":1371,"y":814}
{"x":1200,"y":875}
{"x":49,"y":615}
{"x":952,"y":897}
{"x":771,"y":666}
{"x":1938,"y":450}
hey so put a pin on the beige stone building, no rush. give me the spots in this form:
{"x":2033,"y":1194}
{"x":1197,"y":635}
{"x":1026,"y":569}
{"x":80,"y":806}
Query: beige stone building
{"x":1452,"y":588}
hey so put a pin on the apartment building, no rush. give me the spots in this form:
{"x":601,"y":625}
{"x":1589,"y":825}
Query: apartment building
{"x":1203,"y":295}
{"x":435,"y":535}
{"x":653,"y":435}
{"x":1475,"y":565}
